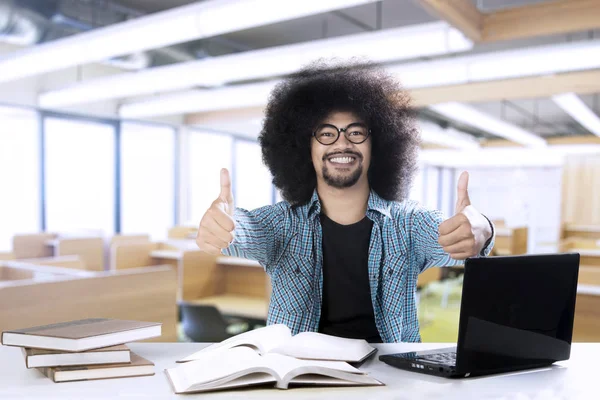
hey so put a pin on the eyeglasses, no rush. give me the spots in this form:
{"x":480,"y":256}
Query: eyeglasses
{"x":328,"y":134}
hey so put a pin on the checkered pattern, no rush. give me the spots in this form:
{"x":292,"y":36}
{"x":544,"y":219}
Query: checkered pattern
{"x":287,"y":242}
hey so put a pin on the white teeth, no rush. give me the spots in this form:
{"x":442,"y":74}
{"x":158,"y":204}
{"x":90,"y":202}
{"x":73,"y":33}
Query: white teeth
{"x":342,"y":160}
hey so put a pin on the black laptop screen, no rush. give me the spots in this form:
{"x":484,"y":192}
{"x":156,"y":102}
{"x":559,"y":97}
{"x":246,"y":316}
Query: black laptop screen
{"x":516,"y":311}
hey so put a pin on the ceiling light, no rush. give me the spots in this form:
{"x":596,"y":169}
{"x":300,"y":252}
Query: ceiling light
{"x":473,"y":117}
{"x":456,"y":70}
{"x":433,"y":133}
{"x":577,"y":109}
{"x":380,"y":46}
{"x":178,"y":25}
{"x":200,"y":100}
{"x":532,"y":61}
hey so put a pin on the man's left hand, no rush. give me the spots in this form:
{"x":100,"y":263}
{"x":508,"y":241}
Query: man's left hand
{"x":465,"y":234}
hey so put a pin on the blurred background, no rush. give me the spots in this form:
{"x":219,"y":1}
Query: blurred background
{"x":116,"y":117}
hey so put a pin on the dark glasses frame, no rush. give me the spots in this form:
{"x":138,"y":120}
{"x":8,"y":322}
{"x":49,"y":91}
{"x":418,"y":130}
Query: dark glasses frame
{"x":339,"y":132}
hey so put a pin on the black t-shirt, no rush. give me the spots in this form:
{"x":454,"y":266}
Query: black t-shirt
{"x":347,"y":310}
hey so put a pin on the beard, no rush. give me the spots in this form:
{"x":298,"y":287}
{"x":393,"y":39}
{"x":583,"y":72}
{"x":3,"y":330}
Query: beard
{"x":346,"y":180}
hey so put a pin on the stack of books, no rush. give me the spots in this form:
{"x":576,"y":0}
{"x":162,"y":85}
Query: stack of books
{"x":84,"y":349}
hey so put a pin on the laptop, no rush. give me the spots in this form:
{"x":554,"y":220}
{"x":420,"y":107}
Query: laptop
{"x":516,"y":313}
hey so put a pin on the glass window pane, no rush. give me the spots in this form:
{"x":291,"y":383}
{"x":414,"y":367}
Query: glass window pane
{"x":416,"y":190}
{"x":147,"y":179}
{"x":253,"y":186}
{"x":80,"y":176}
{"x":19,"y":174}
{"x":431,"y":176}
{"x":207,"y":154}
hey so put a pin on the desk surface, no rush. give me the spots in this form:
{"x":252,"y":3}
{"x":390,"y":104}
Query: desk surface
{"x":587,"y":252}
{"x":573,"y":380}
{"x":167,"y":254}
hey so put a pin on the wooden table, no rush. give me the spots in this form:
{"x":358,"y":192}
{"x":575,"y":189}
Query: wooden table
{"x":574,"y":380}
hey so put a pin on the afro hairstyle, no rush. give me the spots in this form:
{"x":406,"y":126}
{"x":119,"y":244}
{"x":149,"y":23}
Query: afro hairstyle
{"x":299,"y":103}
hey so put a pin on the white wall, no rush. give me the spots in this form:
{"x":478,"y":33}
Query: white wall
{"x":528,"y":196}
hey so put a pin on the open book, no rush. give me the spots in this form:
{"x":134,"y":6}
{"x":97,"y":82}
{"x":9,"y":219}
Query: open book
{"x":277,"y":339}
{"x":243,"y":366}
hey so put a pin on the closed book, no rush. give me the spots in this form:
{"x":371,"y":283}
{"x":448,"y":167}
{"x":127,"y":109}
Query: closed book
{"x":82,"y":335}
{"x":35,"y":358}
{"x":139,"y":366}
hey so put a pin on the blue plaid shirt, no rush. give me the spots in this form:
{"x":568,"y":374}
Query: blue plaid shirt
{"x":287,"y":242}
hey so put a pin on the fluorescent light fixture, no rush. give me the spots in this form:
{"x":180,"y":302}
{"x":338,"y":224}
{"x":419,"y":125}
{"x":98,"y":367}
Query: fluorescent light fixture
{"x":456,"y":70}
{"x":541,"y":60}
{"x":178,"y":25}
{"x":577,"y":109}
{"x":552,"y":155}
{"x":381,"y":46}
{"x":250,"y":95}
{"x":433,"y":133}
{"x":473,"y":117}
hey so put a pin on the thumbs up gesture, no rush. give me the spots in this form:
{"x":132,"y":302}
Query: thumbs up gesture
{"x":217,"y":225}
{"x":465,"y":234}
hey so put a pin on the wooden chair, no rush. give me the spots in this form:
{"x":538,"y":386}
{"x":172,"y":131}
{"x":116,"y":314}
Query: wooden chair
{"x":510,"y":241}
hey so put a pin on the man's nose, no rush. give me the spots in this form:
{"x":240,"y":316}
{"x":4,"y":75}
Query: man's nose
{"x":344,"y":142}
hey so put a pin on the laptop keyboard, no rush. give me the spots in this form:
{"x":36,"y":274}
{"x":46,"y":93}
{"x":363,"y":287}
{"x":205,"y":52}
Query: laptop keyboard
{"x":440,"y":358}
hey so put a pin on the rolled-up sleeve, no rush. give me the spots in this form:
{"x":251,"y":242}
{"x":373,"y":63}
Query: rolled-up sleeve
{"x":257,"y":234}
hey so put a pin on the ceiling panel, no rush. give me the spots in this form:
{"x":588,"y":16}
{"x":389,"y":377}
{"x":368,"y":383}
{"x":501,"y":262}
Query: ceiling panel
{"x":150,"y":6}
{"x":495,"y":5}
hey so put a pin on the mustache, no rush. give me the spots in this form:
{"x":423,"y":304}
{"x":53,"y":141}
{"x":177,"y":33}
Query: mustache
{"x":344,"y":153}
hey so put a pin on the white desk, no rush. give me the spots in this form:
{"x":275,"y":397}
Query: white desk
{"x":167,"y":254}
{"x":573,"y":380}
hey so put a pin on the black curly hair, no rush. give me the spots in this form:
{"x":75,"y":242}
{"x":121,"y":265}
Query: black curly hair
{"x":299,"y":103}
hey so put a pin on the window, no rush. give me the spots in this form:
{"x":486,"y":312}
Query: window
{"x":19,"y":174}
{"x":416,"y":190}
{"x":147,"y":179}
{"x":80,"y":176}
{"x":207,"y":153}
{"x":252,"y":179}
{"x":431,"y":178}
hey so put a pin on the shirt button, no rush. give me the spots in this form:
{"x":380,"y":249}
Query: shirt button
{"x":390,"y":271}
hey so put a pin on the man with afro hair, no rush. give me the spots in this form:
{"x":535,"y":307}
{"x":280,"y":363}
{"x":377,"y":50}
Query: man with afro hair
{"x":345,"y":248}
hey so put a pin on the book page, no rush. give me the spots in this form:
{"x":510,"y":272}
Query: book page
{"x":292,"y":370}
{"x":333,"y":378}
{"x":284,"y":365}
{"x":318,"y":346}
{"x":216,"y":367}
{"x":262,"y":339}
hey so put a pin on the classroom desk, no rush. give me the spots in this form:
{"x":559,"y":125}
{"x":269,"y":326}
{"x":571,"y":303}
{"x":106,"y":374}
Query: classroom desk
{"x":574,"y":380}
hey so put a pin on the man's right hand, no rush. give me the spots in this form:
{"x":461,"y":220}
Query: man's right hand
{"x":217,"y":225}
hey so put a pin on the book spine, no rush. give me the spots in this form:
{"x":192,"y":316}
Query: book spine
{"x":48,"y":371}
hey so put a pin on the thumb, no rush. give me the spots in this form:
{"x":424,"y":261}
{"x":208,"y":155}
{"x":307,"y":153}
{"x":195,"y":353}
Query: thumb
{"x":226,"y":194}
{"x":462,"y":198}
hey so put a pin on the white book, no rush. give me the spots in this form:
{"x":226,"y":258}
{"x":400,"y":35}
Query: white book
{"x":35,"y":358}
{"x":227,"y":368}
{"x":277,"y":339}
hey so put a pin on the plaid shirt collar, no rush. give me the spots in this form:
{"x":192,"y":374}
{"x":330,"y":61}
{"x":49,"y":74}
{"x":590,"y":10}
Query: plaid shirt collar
{"x":375,"y":204}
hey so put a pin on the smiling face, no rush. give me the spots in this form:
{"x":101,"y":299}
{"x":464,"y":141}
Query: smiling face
{"x":342,"y":164}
